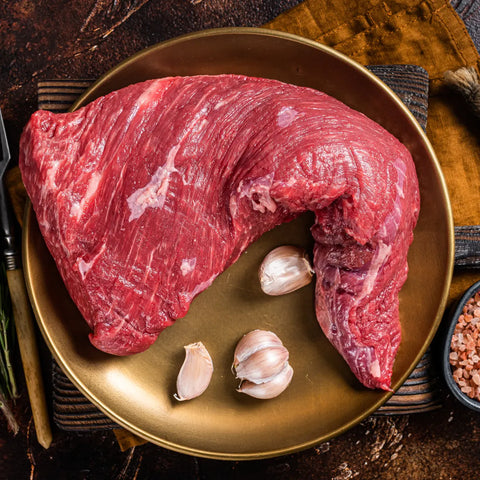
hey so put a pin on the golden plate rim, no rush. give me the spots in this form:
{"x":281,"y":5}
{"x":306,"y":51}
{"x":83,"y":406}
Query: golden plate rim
{"x":60,"y":358}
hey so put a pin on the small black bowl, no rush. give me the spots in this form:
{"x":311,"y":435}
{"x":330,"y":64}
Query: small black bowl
{"x":445,"y":348}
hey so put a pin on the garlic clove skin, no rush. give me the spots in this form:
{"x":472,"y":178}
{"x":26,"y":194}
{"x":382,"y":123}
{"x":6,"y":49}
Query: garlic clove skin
{"x":271,"y":389}
{"x":195,"y":373}
{"x":263,"y":365}
{"x":252,"y":342}
{"x":284,"y":270}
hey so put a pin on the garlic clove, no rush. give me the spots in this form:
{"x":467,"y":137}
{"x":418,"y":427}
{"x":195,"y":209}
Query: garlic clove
{"x":284,"y":270}
{"x":271,"y":389}
{"x":263,"y":365}
{"x":196,"y":372}
{"x":252,"y":342}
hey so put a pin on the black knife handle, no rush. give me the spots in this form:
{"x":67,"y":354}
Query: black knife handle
{"x":11,"y":253}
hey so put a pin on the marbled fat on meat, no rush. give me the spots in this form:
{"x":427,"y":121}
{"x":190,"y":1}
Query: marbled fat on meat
{"x":145,"y":195}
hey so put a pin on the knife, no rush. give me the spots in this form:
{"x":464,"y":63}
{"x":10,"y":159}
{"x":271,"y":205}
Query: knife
{"x":21,"y":308}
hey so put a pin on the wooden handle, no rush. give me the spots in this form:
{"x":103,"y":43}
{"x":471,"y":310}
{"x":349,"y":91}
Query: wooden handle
{"x":29,"y":353}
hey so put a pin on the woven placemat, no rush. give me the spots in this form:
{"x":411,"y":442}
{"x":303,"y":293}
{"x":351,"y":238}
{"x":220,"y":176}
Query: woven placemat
{"x":420,"y":393}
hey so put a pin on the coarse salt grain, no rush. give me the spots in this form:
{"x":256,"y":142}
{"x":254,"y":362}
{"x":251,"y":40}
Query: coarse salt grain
{"x":465,"y":349}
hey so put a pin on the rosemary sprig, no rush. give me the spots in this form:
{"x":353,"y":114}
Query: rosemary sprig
{"x":8,"y":385}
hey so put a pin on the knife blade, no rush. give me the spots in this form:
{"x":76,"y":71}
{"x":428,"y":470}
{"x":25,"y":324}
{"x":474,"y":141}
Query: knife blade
{"x":22,"y":315}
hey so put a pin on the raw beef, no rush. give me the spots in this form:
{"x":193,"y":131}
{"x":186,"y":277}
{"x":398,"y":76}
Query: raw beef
{"x":145,"y":195}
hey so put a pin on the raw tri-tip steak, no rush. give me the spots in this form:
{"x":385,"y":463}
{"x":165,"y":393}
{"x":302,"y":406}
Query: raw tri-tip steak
{"x":145,"y":195}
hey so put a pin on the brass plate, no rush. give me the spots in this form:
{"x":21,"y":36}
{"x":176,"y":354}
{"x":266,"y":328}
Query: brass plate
{"x":324,"y":399}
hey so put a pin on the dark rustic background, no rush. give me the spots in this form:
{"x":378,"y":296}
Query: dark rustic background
{"x":83,"y":39}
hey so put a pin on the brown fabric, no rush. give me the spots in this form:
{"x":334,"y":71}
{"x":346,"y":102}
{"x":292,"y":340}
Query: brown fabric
{"x":428,"y":33}
{"x":127,"y":439}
